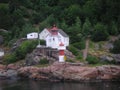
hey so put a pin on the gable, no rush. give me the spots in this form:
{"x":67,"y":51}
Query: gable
{"x":62,"y":33}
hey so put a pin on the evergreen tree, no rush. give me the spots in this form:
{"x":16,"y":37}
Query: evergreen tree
{"x":87,"y":28}
{"x":100,"y":33}
{"x":113,"y":29}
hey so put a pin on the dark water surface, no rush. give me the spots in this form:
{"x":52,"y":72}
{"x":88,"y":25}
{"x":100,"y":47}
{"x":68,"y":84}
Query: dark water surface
{"x":43,"y":85}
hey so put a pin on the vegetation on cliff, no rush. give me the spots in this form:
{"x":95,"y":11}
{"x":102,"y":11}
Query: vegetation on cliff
{"x":96,"y":20}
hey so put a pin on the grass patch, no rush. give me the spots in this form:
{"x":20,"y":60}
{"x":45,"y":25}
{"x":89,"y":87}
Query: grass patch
{"x":44,"y":61}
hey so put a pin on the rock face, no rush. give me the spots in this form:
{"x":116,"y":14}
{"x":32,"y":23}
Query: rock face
{"x":8,"y":72}
{"x":1,"y":39}
{"x":72,"y":72}
{"x":61,"y":72}
{"x":45,"y":53}
{"x":116,"y":57}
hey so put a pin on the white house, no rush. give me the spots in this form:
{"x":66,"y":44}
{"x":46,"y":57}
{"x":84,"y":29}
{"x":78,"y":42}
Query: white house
{"x":33,"y":35}
{"x":54,"y":36}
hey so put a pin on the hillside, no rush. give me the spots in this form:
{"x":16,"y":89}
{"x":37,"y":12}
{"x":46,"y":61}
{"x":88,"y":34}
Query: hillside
{"x":96,"y":20}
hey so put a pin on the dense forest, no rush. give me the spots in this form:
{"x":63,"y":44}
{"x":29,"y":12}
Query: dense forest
{"x":97,"y":19}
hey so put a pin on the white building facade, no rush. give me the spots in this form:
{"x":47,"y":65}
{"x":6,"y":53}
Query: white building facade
{"x":54,"y":37}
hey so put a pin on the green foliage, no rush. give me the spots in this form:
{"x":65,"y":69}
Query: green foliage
{"x":42,"y":42}
{"x":50,"y":20}
{"x":5,"y":19}
{"x":73,"y":50}
{"x":71,"y":13}
{"x":69,"y":60}
{"x":20,"y":52}
{"x":79,"y":45}
{"x":92,"y":59}
{"x":116,"y":47}
{"x":75,"y":17}
{"x":112,"y":29}
{"x":79,"y":56}
{"x":44,"y":61}
{"x":75,"y":31}
{"x":10,"y":58}
{"x":27,"y":28}
{"x":24,"y":48}
{"x":100,"y":33}
{"x":87,"y":28}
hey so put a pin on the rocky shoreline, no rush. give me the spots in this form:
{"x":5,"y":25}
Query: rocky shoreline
{"x":61,"y":72}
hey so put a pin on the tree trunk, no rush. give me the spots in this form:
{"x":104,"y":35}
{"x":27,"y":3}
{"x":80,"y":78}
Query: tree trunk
{"x":85,"y":52}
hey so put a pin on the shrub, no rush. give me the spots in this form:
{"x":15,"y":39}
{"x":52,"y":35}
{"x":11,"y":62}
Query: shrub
{"x":25,"y":47}
{"x":10,"y":58}
{"x":73,"y":50}
{"x":79,"y":45}
{"x":44,"y":61}
{"x":80,"y":57}
{"x":69,"y":60}
{"x":92,"y":59}
{"x":42,"y":42}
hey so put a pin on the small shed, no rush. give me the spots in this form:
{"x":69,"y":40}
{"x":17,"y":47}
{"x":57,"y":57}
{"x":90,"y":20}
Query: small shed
{"x":33,"y":35}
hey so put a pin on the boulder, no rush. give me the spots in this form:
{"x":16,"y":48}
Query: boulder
{"x":106,"y":58}
{"x":116,"y":57}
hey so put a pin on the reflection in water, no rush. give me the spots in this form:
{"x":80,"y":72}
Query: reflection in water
{"x":42,"y":85}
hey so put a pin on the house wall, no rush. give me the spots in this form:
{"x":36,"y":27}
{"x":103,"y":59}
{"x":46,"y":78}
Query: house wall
{"x":52,"y":41}
{"x":64,"y":40}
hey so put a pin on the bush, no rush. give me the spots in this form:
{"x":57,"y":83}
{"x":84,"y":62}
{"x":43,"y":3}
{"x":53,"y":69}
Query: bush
{"x":71,"y":61}
{"x":10,"y":58}
{"x":92,"y":59}
{"x":73,"y":50}
{"x":44,"y":61}
{"x":25,"y":47}
{"x":116,"y":48}
{"x":79,"y":45}
{"x":42,"y":42}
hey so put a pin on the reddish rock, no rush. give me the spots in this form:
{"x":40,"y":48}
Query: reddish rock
{"x":107,"y":77}
{"x":67,"y":71}
{"x":2,"y":66}
{"x":12,"y":66}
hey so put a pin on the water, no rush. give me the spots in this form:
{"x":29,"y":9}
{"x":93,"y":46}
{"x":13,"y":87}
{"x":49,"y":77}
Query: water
{"x":43,"y":85}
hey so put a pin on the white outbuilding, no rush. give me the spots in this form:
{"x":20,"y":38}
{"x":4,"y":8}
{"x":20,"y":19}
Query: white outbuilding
{"x":33,"y":35}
